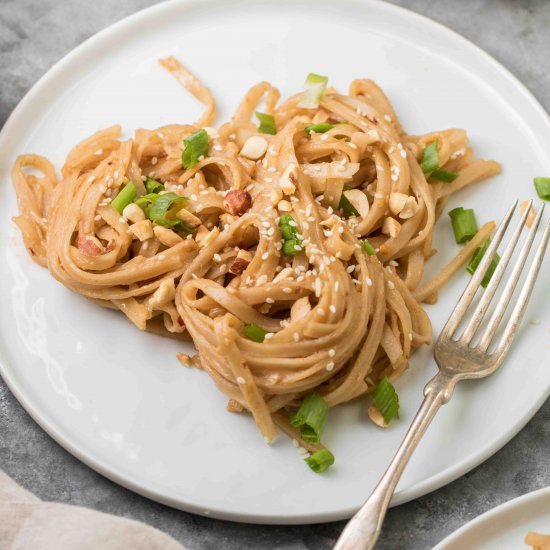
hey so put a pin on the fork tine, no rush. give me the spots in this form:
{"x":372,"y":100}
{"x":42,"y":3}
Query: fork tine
{"x":519,"y":308}
{"x":468,"y":295}
{"x":490,"y":291}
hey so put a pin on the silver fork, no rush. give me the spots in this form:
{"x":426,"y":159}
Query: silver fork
{"x":457,"y":360}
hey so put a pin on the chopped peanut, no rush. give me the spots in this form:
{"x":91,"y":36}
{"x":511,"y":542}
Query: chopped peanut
{"x":254,"y":147}
{"x":237,"y":202}
{"x":391,"y":227}
{"x":142,"y":230}
{"x":376,"y":416}
{"x":133,"y":213}
{"x":164,"y":294}
{"x":359,"y":201}
{"x":288,"y":179}
{"x":89,"y":245}
{"x":166,"y":236}
{"x":240,"y":263}
{"x":410,"y":209}
{"x":397,"y":202}
{"x":190,"y":219}
{"x":531,"y":216}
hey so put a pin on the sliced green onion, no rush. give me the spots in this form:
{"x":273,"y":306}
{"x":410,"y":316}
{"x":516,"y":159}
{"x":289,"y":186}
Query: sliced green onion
{"x":254,"y":332}
{"x":542,"y":185}
{"x":320,"y":461}
{"x":444,"y":175}
{"x":476,"y":260}
{"x":315,"y":88}
{"x":320,"y":128}
{"x":430,"y":164}
{"x":368,"y":248}
{"x":153,"y":186}
{"x":163,"y":210}
{"x":196,"y":148}
{"x":311,"y":417}
{"x":464,"y":224}
{"x":146,"y":200}
{"x":430,"y":158}
{"x":267,"y":124}
{"x":290,"y":247}
{"x":386,"y":400}
{"x":346,"y":205}
{"x":289,"y":233}
{"x":125,"y":196}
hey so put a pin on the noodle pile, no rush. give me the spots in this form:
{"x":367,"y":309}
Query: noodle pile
{"x":337,"y":319}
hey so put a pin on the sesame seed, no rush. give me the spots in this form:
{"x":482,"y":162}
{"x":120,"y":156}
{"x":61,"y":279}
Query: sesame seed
{"x":287,"y":290}
{"x":193,"y":197}
{"x":387,"y":117}
{"x":368,"y":281}
{"x":217,"y":258}
{"x":269,"y":335}
{"x":391,"y":286}
{"x":324,"y":137}
{"x":332,"y":308}
{"x":410,"y":336}
{"x":98,"y":218}
{"x":330,"y":365}
{"x":331,"y":352}
{"x":320,"y":311}
{"x":350,"y":268}
{"x":266,"y":224}
{"x":317,"y":287}
{"x":296,"y":336}
{"x":265,"y":255}
{"x":122,"y":219}
{"x":241,"y":380}
{"x":352,"y":145}
{"x":269,"y":300}
{"x":336,"y":286}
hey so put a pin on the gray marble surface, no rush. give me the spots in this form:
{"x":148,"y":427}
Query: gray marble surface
{"x":34,"y":34}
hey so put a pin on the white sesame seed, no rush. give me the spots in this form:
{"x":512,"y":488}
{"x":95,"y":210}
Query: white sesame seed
{"x":336,"y":286}
{"x":296,"y":336}
{"x":241,"y":380}
{"x":265,"y":255}
{"x":352,"y":145}
{"x":391,"y":286}
{"x":320,"y":311}
{"x":332,"y":308}
{"x":330,"y":366}
{"x":410,"y":336}
{"x":98,"y":218}
{"x":217,"y":258}
{"x":122,"y":219}
{"x":317,"y":285}
{"x":331,"y":352}
{"x":368,"y":281}
{"x":387,"y":117}
{"x":269,"y":300}
{"x":287,"y":290}
{"x":350,"y":268}
{"x":269,"y":335}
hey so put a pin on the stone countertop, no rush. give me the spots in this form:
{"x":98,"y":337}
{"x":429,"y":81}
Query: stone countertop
{"x":34,"y":34}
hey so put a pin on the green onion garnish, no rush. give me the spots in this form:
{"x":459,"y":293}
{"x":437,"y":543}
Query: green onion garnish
{"x":125,"y":196}
{"x":464,"y":224}
{"x":289,"y":233}
{"x":346,"y":205}
{"x":163,"y":210}
{"x":444,"y":175}
{"x":542,"y":185}
{"x":289,"y":247}
{"x":386,"y":400}
{"x":320,"y":128}
{"x":368,"y":248}
{"x":196,"y":146}
{"x":267,"y":124}
{"x":311,"y":417}
{"x":153,"y":186}
{"x":315,"y":88}
{"x":255,"y":333}
{"x":320,"y":461}
{"x":476,"y":260}
{"x":430,"y":158}
{"x":430,"y":164}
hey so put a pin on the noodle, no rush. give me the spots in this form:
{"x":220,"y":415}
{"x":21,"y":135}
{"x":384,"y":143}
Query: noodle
{"x":336,"y":319}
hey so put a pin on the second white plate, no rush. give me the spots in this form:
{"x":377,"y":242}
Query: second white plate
{"x":117,"y":399}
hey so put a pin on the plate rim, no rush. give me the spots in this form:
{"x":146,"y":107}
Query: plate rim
{"x":492,"y":513}
{"x":417,"y":490}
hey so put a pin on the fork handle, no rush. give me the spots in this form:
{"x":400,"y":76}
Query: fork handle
{"x":363,"y":530}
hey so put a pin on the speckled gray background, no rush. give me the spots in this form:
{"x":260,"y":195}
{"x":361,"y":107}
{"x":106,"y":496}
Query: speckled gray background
{"x":34,"y":34}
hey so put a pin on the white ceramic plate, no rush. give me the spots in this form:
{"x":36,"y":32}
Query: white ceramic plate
{"x":118,"y":400}
{"x":504,"y":527}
